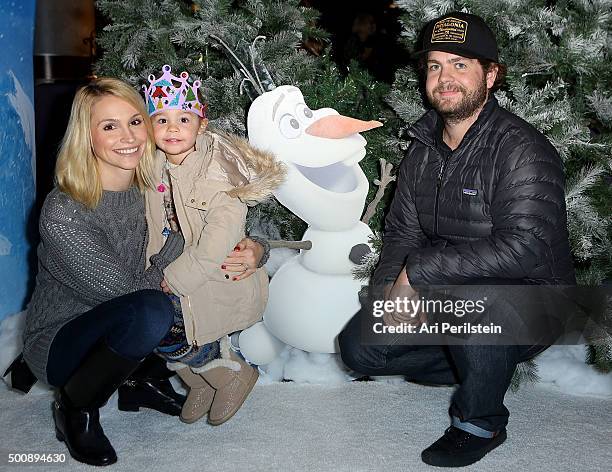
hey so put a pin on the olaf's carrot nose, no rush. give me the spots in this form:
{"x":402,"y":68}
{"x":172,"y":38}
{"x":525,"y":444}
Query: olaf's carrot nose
{"x":338,"y":126}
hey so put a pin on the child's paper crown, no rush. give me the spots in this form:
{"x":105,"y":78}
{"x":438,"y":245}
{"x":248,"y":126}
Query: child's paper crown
{"x":173,"y":93}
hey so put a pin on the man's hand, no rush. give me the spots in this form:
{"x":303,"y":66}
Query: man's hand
{"x":402,"y":290}
{"x":165,"y":288}
{"x":244,"y":259}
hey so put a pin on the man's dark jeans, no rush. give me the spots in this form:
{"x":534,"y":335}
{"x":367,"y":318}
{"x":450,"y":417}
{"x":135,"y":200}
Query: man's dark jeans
{"x":483,"y":372}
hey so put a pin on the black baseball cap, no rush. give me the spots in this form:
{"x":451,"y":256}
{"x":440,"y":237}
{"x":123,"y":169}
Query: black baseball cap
{"x":460,"y":33}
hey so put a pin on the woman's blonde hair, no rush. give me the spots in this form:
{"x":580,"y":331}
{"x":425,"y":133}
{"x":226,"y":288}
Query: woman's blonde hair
{"x":76,"y":170}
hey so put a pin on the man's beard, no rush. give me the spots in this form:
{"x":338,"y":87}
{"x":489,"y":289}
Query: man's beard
{"x":465,"y":108}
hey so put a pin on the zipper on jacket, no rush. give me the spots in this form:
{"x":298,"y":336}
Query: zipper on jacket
{"x":441,"y":175}
{"x":193,"y":325}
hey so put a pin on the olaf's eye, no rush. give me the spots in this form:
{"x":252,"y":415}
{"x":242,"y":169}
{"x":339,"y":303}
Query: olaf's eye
{"x":289,"y":126}
{"x":303,"y":112}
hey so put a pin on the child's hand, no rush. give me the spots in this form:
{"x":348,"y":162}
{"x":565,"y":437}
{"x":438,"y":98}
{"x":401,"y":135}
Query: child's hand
{"x":165,"y":288}
{"x":243,"y":259}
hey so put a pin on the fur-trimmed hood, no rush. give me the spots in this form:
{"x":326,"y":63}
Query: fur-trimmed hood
{"x":253,"y":173}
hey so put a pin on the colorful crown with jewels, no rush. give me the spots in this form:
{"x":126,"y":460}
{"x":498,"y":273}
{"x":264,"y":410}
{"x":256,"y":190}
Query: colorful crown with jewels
{"x":169,"y":92}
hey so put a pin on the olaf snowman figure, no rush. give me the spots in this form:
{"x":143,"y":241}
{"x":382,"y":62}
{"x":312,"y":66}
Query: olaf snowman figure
{"x":313,"y":294}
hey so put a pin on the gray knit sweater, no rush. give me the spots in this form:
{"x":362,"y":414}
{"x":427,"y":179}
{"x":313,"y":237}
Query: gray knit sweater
{"x":86,"y":257}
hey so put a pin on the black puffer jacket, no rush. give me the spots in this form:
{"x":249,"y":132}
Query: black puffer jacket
{"x":495,"y":209}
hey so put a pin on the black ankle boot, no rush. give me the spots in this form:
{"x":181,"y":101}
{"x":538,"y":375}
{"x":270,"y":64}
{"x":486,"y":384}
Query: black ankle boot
{"x":156,"y":394}
{"x":458,"y":448}
{"x":148,"y":387}
{"x":76,"y":408}
{"x":80,"y":429}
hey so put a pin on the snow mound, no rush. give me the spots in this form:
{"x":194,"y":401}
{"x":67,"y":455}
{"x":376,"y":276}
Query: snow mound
{"x":564,"y":369}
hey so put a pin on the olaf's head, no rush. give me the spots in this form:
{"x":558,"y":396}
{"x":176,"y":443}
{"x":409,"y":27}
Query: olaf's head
{"x":281,"y":121}
{"x":321,"y":149}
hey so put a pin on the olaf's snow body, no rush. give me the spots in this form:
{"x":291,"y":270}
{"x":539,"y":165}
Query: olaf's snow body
{"x":313,"y":294}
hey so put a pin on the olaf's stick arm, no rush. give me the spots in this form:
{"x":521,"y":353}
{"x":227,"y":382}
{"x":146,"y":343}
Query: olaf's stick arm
{"x":290,"y":244}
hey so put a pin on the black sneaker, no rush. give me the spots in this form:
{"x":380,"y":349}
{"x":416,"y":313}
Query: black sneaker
{"x":458,"y":448}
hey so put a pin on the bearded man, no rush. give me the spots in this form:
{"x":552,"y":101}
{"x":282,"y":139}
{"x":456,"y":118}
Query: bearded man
{"x":479,"y":201}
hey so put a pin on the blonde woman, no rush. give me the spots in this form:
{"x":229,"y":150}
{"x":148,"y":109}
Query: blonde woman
{"x":96,"y":312}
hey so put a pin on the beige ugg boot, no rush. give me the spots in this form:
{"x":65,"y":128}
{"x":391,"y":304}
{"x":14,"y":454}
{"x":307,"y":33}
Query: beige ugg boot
{"x":232,"y":378}
{"x":200,"y":396}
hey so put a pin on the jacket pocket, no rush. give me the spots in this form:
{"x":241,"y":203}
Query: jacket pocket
{"x":203,"y":192}
{"x":199,"y":198}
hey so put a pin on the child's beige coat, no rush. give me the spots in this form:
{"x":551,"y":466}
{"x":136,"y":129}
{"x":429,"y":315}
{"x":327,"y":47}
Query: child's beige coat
{"x":211,"y":190}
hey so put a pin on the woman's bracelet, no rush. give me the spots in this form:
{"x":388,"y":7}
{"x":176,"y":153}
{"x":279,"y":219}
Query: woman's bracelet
{"x":266,"y":245}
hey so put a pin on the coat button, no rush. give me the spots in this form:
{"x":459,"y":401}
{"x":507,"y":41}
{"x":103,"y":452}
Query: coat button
{"x":193,"y":200}
{"x":203,"y":203}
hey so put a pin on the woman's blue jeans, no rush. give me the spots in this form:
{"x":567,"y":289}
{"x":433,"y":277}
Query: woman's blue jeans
{"x":132,"y":325}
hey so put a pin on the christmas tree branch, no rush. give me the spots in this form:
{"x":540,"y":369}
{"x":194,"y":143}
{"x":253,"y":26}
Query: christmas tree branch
{"x":242,"y":68}
{"x":385,"y":179}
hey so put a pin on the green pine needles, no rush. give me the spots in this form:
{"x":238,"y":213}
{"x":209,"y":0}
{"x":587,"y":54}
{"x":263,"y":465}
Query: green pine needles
{"x":143,"y":36}
{"x":559,"y":79}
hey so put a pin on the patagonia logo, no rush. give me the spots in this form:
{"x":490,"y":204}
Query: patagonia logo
{"x":470,"y":191}
{"x":449,"y":30}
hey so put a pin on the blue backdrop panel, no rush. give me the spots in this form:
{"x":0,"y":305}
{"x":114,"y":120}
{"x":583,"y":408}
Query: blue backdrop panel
{"x":17,"y":158}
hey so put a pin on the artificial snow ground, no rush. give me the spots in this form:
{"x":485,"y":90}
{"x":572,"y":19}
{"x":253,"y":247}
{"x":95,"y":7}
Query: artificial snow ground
{"x":355,"y":426}
{"x":325,"y":422}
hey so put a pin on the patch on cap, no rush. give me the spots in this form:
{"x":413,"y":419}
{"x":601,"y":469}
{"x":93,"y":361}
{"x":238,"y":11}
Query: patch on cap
{"x":449,"y":30}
